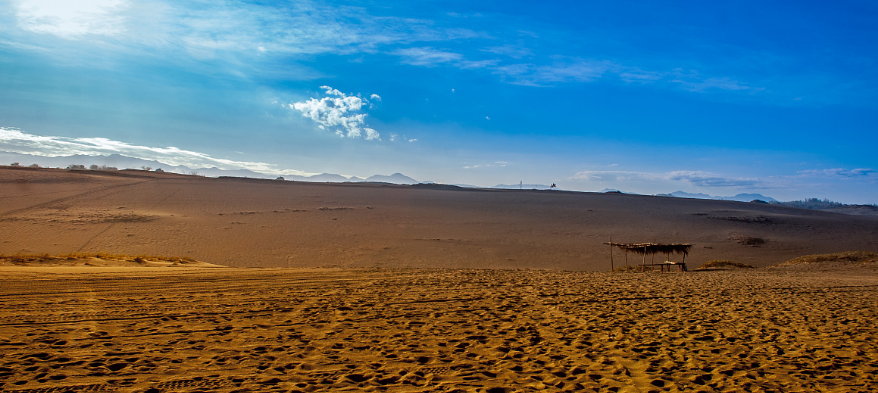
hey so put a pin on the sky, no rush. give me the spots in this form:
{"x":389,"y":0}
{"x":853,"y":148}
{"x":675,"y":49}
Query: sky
{"x":771,"y":97}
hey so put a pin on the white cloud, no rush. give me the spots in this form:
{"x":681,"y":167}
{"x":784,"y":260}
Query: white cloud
{"x":16,"y":141}
{"x":72,"y":19}
{"x":230,"y":32}
{"x":562,"y":71}
{"x":429,"y":57}
{"x":493,"y":164}
{"x":841,"y":173}
{"x":338,"y":112}
{"x":512,"y":51}
{"x":393,"y":138}
{"x":693,"y":178}
{"x":724,"y":83}
{"x":375,"y":97}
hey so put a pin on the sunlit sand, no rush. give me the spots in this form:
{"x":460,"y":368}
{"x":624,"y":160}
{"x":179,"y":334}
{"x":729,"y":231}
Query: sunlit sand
{"x":390,"y":288}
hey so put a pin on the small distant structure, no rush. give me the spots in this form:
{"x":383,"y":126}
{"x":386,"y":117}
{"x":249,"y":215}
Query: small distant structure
{"x":645,"y":249}
{"x":553,"y":186}
{"x":280,"y":178}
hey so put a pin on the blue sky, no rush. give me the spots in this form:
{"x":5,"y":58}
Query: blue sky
{"x":649,"y":97}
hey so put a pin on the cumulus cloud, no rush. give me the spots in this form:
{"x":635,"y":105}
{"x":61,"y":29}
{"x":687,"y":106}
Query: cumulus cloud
{"x":16,"y":141}
{"x":71,"y":19}
{"x":338,"y":112}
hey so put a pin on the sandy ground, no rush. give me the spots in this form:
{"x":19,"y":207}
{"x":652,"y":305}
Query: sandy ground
{"x":412,"y":330}
{"x":264,"y":223}
{"x":370,"y":287}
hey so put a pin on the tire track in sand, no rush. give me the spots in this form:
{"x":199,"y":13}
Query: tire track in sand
{"x":112,"y":224}
{"x":64,"y":199}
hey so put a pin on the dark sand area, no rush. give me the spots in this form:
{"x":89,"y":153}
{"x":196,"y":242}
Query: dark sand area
{"x":241,"y":222}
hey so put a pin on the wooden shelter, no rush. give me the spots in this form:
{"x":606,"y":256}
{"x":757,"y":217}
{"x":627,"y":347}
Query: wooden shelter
{"x":645,"y":249}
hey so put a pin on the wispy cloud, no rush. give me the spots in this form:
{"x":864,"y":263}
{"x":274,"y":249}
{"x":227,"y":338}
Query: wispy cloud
{"x":563,"y":71}
{"x":338,"y":112}
{"x":72,"y":19}
{"x":430,"y":57}
{"x":842,"y":173}
{"x":489,"y":165}
{"x":706,"y":179}
{"x":16,"y":141}
{"x":403,"y":138}
{"x":513,"y":51}
{"x":693,"y":178}
{"x":239,"y":33}
{"x":244,"y":37}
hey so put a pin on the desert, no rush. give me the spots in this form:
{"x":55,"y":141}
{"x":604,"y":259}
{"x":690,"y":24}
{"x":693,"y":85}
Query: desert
{"x":135,"y":281}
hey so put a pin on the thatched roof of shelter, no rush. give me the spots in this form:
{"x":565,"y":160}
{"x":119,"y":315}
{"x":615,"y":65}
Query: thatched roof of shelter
{"x":653,"y":248}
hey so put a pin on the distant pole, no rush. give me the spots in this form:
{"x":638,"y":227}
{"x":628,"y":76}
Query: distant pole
{"x":611,"y":254}
{"x":521,"y":184}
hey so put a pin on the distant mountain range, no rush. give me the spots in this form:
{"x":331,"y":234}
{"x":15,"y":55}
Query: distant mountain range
{"x":123,"y":162}
{"x":740,"y":197}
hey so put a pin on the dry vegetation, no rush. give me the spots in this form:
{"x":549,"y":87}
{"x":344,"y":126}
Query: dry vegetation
{"x":95,"y":259}
{"x":845,"y":257}
{"x":723,"y":264}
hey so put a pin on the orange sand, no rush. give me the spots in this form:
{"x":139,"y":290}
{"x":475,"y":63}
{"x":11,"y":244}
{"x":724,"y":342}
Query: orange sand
{"x":256,"y":330}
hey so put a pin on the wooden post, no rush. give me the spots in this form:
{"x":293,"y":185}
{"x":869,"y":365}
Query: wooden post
{"x":611,"y":255}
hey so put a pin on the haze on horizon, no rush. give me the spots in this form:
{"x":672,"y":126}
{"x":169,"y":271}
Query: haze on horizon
{"x":777,"y":98}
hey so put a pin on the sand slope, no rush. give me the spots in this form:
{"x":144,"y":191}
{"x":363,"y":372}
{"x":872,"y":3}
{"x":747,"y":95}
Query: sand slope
{"x":240,"y":222}
{"x":258,"y":330}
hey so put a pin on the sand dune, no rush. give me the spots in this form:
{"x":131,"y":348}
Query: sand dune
{"x":403,"y":330}
{"x":240,"y":222}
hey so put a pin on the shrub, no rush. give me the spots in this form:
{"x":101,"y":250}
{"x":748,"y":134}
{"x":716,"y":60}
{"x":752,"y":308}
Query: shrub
{"x":723,"y":264}
{"x":746,"y":240}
